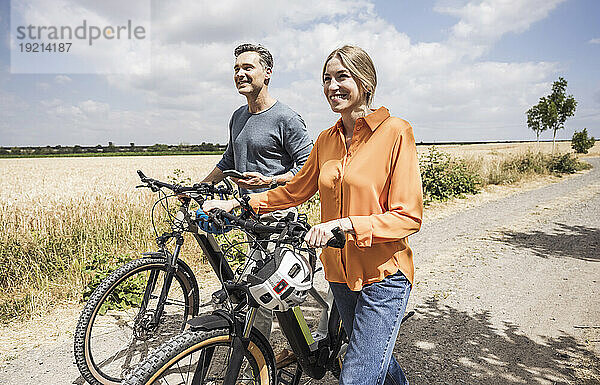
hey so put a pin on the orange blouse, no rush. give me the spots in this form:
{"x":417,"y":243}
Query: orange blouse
{"x":376,"y":183}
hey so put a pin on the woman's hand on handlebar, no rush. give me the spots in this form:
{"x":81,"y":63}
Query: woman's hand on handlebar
{"x":226,"y":205}
{"x":318,"y":235}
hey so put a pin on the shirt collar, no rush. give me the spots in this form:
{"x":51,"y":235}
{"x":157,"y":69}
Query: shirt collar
{"x":373,"y":120}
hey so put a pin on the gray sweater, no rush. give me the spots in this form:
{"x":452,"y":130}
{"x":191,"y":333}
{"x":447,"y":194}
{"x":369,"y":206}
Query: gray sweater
{"x":271,"y":142}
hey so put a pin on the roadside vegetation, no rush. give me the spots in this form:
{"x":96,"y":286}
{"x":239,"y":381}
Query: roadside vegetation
{"x":581,"y":143}
{"x":111,"y":150}
{"x":60,"y":251}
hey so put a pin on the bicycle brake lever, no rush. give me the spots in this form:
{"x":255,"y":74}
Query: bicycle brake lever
{"x":339,"y":239}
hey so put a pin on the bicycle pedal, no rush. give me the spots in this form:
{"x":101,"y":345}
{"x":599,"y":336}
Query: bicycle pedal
{"x":285,"y":377}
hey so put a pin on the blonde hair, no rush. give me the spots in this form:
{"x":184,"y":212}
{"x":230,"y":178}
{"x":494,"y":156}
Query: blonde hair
{"x":360,"y":66}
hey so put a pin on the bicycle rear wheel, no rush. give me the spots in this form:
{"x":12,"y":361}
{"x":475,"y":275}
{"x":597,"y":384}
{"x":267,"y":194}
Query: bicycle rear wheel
{"x":202,"y":357}
{"x":115,"y":332}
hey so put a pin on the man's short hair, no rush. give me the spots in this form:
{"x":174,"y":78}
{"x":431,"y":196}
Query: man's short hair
{"x":265,"y":57}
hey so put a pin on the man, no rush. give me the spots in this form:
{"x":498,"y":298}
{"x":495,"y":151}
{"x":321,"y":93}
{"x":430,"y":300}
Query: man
{"x":268,"y":141}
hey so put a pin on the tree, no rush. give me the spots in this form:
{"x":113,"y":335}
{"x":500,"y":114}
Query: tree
{"x":534,"y":121}
{"x":581,"y":143}
{"x":552,"y":111}
{"x":158,"y":147}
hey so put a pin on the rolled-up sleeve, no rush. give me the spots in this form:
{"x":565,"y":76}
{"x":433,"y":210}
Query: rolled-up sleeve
{"x":404,"y":200}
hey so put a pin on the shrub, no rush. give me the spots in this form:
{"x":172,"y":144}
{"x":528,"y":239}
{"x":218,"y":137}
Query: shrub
{"x":444,"y":177}
{"x":581,"y":143}
{"x":564,"y":164}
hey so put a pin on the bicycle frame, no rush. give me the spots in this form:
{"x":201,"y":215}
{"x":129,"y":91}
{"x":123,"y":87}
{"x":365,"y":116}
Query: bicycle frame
{"x":315,"y":358}
{"x":182,"y":223}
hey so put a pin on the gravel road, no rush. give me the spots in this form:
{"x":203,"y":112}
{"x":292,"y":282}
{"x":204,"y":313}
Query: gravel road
{"x":506,"y":292}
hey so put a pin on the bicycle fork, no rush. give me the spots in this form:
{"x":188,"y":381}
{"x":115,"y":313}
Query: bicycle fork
{"x":240,"y":346}
{"x":162,"y":299}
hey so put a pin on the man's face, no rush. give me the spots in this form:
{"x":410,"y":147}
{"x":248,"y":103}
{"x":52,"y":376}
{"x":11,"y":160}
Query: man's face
{"x":248,"y":74}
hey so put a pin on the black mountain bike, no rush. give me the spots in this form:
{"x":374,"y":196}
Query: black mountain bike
{"x":223,"y":347}
{"x":148,"y":300}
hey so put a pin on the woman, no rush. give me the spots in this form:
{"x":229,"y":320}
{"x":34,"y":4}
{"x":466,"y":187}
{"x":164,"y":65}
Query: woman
{"x":366,"y":170}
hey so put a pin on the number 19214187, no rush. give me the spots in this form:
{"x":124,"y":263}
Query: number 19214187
{"x":45,"y":47}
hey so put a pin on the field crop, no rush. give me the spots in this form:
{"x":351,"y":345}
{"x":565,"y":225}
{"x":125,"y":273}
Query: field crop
{"x":59,"y":216}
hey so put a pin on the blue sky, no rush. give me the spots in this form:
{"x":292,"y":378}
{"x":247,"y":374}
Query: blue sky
{"x":456,"y":69}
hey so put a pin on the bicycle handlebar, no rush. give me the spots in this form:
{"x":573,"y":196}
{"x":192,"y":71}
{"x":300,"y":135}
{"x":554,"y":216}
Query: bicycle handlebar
{"x":295,"y":229}
{"x":200,"y":188}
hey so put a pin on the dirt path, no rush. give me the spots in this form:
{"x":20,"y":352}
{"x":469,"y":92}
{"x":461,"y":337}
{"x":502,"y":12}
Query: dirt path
{"x":501,"y":289}
{"x":507,"y":292}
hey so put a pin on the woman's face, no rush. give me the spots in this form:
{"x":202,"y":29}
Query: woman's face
{"x":341,"y":90}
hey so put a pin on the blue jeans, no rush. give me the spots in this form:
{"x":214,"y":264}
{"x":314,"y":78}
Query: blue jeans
{"x":372,"y":319}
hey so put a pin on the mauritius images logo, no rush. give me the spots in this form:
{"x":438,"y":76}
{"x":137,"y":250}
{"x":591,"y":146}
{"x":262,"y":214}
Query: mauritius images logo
{"x":84,"y":31}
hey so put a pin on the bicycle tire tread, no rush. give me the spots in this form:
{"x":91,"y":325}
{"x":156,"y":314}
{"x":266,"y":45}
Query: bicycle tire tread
{"x":159,"y":357}
{"x":92,"y":304}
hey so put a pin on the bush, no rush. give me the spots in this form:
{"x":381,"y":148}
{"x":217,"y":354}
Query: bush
{"x":564,"y":164}
{"x":445,"y":178}
{"x":581,"y":143}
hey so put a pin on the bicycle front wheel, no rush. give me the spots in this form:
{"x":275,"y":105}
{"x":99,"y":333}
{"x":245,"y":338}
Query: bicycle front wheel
{"x":116,"y":330}
{"x":202,"y":357}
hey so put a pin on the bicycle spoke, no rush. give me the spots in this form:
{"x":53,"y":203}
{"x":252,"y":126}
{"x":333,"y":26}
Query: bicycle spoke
{"x":121,"y":338}
{"x":190,"y":364}
{"x":181,"y":374}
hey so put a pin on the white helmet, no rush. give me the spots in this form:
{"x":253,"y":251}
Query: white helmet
{"x":281,"y":283}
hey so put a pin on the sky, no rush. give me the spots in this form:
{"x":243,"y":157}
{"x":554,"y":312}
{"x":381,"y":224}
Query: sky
{"x":457,"y":70}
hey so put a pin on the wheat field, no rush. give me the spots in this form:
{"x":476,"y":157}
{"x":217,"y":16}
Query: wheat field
{"x":59,"y":214}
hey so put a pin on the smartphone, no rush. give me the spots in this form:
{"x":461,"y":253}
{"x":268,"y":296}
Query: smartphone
{"x":235,"y":174}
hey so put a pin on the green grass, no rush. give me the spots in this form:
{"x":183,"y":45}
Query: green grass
{"x":97,"y":154}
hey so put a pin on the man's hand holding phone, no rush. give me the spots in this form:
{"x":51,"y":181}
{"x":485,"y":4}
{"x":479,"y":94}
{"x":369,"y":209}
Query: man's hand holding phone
{"x":249,"y":180}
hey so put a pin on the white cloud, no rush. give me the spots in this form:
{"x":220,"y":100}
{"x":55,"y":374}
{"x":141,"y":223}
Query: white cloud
{"x":62,"y":79}
{"x":595,"y":41}
{"x":51,"y":103}
{"x":91,"y":107}
{"x":208,"y":21}
{"x":92,"y":112}
{"x":482,"y":23}
{"x":444,"y":88}
{"x":11,"y":105}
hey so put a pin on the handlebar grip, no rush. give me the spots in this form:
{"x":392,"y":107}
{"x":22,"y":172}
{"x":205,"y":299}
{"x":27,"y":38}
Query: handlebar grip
{"x":339,"y":239}
{"x":141,"y":174}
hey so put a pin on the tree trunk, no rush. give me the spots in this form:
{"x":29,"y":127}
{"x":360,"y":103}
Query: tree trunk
{"x":553,"y":141}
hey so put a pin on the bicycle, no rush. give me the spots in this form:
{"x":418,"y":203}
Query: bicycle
{"x":223,"y":347}
{"x":158,"y":293}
